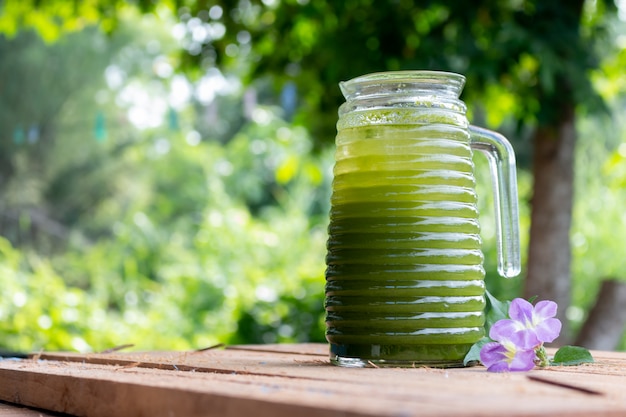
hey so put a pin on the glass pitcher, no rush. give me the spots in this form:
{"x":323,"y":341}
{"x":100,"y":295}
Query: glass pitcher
{"x":405,"y":277}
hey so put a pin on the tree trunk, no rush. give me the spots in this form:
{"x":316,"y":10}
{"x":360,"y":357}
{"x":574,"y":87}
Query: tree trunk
{"x":549,"y":252}
{"x":604,"y":327}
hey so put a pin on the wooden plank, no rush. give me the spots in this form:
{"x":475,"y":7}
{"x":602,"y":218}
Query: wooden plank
{"x":298,"y":380}
{"x":313,"y":349}
{"x":12,"y":410}
{"x":272,"y":360}
{"x":242,"y":359}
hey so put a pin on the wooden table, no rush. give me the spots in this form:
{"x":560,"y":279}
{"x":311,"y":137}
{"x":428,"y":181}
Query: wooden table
{"x":298,"y":381}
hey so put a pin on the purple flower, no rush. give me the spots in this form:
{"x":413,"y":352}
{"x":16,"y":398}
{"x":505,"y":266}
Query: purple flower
{"x":506,"y":356}
{"x":528,"y":327}
{"x":518,"y":339}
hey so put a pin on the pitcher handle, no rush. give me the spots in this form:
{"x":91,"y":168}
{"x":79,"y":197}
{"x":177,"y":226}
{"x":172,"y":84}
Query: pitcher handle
{"x":501,"y":157}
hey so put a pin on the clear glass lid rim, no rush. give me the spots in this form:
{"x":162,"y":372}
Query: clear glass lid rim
{"x":408,"y":79}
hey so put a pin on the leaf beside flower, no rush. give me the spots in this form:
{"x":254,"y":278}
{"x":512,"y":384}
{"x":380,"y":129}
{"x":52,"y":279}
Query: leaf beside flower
{"x":474,"y":353}
{"x":571,"y":356}
{"x":496,"y":310}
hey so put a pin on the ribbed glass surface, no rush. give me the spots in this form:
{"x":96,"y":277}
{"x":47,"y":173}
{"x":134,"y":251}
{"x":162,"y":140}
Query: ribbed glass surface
{"x":404,"y":263}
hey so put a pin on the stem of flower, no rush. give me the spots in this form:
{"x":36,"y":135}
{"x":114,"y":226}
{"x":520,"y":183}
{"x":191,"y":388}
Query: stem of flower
{"x":542,"y":356}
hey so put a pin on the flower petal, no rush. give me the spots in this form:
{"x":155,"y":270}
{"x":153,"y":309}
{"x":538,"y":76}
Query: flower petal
{"x":521,"y":310}
{"x":548,"y":330}
{"x":524,"y":360}
{"x":526,"y":339}
{"x":502,"y":366}
{"x":514,"y":332}
{"x":545,"y":309}
{"x":503,"y":329}
{"x":498,"y":357}
{"x":493,"y":353}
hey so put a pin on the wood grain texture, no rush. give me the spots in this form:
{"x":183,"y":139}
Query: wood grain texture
{"x":297,"y":380}
{"x":11,"y":410}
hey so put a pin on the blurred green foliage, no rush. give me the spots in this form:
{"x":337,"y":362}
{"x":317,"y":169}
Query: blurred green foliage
{"x":188,"y":263}
{"x":163,"y":238}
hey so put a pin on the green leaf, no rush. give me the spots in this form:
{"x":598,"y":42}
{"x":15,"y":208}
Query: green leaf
{"x":474,"y":353}
{"x":496,"y":310}
{"x":572,"y":355}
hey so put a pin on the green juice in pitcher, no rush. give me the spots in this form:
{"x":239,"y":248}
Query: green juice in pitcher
{"x":404,"y":264}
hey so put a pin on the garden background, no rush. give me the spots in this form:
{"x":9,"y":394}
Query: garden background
{"x":165,"y":167}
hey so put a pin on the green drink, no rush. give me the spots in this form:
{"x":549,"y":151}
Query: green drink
{"x":404,"y":265}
